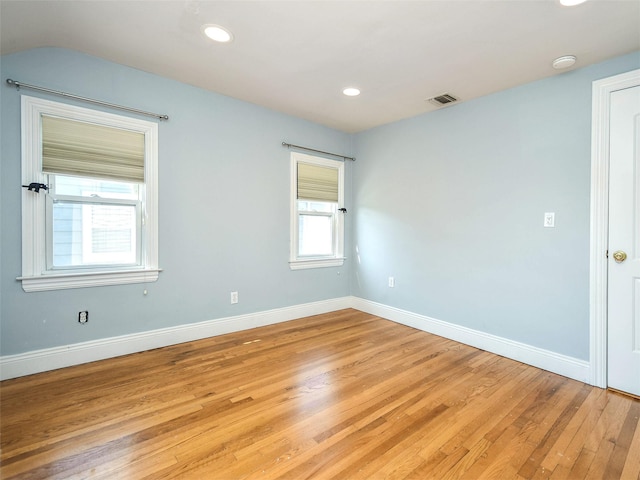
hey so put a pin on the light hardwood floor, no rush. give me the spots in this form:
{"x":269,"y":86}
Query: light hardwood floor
{"x":344,"y":395}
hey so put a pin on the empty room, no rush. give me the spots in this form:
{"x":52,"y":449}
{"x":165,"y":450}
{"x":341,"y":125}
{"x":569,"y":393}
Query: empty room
{"x":319,"y":239}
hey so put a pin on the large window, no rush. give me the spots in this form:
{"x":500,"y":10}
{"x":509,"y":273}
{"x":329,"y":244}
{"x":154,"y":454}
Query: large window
{"x":96,"y":222}
{"x":317,"y":218}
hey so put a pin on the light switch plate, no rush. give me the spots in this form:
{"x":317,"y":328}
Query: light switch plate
{"x":549,"y":219}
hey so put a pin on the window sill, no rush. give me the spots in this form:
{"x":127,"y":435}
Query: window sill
{"x":316,"y":263}
{"x":59,"y":281}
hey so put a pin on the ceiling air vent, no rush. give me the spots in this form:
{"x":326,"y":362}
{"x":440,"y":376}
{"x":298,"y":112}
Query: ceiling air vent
{"x":444,"y":99}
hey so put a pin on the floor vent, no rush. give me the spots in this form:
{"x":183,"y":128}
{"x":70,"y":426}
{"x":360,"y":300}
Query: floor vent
{"x":443,"y":99}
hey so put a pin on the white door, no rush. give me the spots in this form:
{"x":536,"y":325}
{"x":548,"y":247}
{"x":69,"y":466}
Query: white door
{"x":623,"y":330}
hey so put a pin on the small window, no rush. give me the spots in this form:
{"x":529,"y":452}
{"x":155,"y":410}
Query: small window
{"x":317,"y":221}
{"x":96,"y":223}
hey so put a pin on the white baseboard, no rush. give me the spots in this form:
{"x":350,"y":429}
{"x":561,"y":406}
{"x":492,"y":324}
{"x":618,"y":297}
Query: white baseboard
{"x":12,"y":366}
{"x":553,"y":362}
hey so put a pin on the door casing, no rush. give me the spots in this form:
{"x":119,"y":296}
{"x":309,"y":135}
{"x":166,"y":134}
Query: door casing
{"x":598,"y":281}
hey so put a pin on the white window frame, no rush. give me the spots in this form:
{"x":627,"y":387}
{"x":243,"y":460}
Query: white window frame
{"x":337,"y":259}
{"x":35,"y":273}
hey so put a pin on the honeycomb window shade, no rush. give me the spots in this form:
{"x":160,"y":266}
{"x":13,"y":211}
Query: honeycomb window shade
{"x":71,"y":147}
{"x":317,"y":183}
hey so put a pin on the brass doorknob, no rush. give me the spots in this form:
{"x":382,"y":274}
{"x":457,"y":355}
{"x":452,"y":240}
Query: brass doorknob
{"x":619,"y":256}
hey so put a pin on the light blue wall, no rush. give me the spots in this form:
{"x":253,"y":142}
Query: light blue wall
{"x":451,"y":204}
{"x":223,"y":201}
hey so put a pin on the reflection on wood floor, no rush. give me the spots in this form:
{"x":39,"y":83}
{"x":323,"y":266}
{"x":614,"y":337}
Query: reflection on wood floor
{"x":344,"y":395}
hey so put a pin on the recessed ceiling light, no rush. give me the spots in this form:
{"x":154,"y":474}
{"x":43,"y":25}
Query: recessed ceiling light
{"x":564,"y":62}
{"x":217,"y":33}
{"x":571,"y":3}
{"x":351,"y":92}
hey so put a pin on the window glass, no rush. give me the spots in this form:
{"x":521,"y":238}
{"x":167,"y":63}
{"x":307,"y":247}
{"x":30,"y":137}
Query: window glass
{"x":328,"y":207}
{"x":91,"y":187}
{"x":315,"y":235}
{"x":84,"y":235}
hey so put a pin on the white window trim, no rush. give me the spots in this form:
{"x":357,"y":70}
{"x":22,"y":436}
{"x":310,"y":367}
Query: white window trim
{"x":336,"y":260}
{"x":34,"y":266}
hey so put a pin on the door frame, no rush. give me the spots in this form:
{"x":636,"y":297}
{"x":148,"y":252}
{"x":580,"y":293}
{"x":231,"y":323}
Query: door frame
{"x":598,"y":271}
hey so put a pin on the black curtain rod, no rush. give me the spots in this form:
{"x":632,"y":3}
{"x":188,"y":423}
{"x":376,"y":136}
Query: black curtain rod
{"x":19,"y":85}
{"x":289,"y":145}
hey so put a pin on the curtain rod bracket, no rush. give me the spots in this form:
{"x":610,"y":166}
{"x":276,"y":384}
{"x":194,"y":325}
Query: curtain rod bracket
{"x":289,"y":145}
{"x":15,"y":83}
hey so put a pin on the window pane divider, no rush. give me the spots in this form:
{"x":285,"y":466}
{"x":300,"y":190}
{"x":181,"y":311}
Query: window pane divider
{"x":316,"y":214}
{"x":94,"y":200}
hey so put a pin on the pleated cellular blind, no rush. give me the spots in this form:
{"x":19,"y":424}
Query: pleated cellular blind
{"x":85,"y":149}
{"x":317,"y":183}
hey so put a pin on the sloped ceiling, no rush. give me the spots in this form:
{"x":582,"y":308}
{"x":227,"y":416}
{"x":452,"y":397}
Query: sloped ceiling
{"x":297,"y":56}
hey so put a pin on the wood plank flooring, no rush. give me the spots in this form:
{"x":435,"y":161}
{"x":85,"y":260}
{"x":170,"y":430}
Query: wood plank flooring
{"x":345,"y":395}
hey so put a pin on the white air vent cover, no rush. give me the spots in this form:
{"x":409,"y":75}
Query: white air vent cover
{"x":444,"y":99}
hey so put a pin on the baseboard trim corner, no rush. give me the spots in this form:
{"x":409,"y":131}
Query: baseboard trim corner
{"x":547,"y":360}
{"x":12,"y":366}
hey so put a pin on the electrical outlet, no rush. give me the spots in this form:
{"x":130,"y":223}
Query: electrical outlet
{"x":83,"y":317}
{"x":234,"y":297}
{"x":392,"y":282}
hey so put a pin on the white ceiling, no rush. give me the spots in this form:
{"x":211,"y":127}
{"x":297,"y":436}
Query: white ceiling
{"x":297,"y":56}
